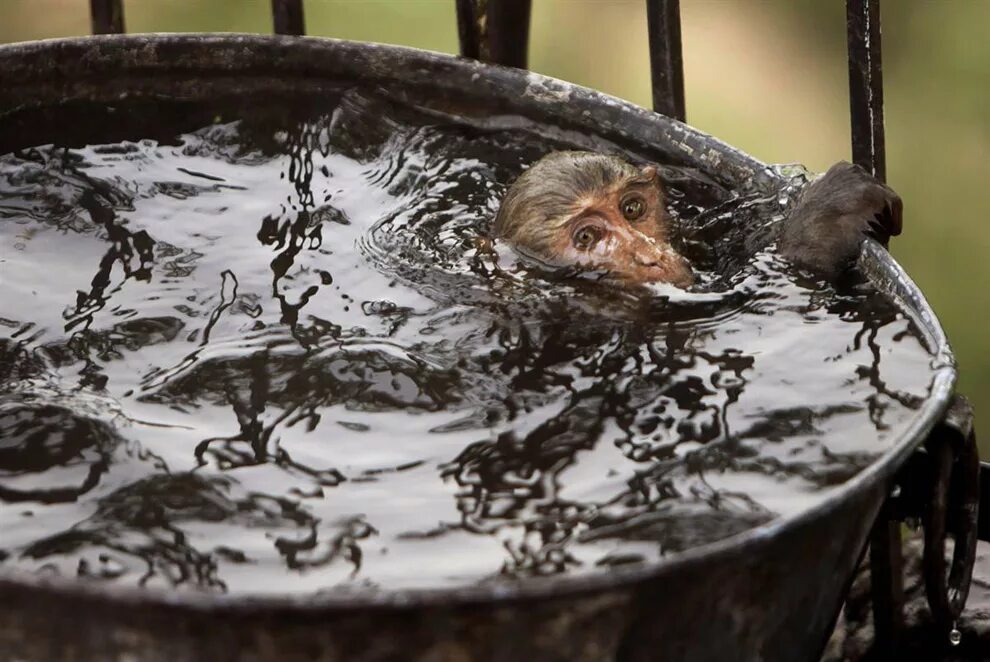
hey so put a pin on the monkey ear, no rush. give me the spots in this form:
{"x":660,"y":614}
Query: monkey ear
{"x":650,"y":173}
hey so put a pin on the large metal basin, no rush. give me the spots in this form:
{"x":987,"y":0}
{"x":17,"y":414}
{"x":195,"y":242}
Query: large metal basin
{"x":771,"y":593}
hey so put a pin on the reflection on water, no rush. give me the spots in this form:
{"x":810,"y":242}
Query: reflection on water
{"x":275,"y":354}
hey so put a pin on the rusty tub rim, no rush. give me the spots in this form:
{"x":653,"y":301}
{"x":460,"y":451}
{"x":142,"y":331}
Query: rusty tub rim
{"x":58,"y":62}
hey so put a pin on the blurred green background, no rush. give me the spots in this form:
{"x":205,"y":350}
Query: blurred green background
{"x":767,"y":76}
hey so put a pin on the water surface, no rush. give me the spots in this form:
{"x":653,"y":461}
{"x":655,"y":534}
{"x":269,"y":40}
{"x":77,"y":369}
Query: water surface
{"x":269,"y":352}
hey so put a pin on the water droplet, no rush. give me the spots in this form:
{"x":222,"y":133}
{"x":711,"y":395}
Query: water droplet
{"x":955,"y":636}
{"x":896,"y":492}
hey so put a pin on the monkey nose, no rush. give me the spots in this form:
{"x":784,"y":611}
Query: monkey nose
{"x":664,"y":266}
{"x":648,"y":258}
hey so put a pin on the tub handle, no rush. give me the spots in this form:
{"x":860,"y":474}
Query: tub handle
{"x":954,"y":507}
{"x":941,"y":486}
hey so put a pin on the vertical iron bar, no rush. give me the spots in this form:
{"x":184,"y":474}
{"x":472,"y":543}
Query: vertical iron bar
{"x":107,"y":16}
{"x":467,"y":29}
{"x":506,"y":37}
{"x":886,"y":584}
{"x":866,"y":85}
{"x":866,"y":119}
{"x":287,"y":17}
{"x":666,"y":59}
{"x":495,"y":31}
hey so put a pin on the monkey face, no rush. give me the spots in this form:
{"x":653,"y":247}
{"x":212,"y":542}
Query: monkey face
{"x":622,"y":232}
{"x":595,"y":213}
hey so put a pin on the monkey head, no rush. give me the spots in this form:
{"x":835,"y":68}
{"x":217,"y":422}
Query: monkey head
{"x":595,"y":213}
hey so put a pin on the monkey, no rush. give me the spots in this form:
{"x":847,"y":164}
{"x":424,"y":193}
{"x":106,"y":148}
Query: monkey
{"x":598,"y":213}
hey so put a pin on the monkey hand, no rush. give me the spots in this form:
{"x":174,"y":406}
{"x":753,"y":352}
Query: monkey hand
{"x":835,"y":213}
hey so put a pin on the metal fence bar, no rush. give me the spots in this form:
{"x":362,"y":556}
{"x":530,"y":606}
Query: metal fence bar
{"x":508,"y":32}
{"x":887,"y":584}
{"x":287,"y":17}
{"x":495,"y":31}
{"x":866,"y":85}
{"x":107,"y":16}
{"x":663,"y":18}
{"x":467,"y":29}
{"x":866,"y":119}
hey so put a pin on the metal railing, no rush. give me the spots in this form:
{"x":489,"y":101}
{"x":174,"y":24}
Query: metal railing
{"x":497,"y":31}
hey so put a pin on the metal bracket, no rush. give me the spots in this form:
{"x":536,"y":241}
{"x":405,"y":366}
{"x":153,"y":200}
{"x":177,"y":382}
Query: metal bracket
{"x":954,"y":507}
{"x":940,"y":486}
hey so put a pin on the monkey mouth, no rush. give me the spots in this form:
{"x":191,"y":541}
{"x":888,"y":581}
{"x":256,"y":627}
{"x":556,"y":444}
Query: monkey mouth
{"x":664,"y":267}
{"x":682,"y":277}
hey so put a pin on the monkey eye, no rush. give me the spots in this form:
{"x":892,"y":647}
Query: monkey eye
{"x":587,"y":236}
{"x":632,"y":207}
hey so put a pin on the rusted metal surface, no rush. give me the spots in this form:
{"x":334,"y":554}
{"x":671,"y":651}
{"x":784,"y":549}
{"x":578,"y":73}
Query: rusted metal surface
{"x":287,"y":17}
{"x":107,"y":16}
{"x":666,"y":59}
{"x":738,"y":594}
{"x":866,"y":85}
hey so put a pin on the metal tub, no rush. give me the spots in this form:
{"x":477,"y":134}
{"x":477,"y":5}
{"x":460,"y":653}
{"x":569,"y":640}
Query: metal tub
{"x":770,"y":593}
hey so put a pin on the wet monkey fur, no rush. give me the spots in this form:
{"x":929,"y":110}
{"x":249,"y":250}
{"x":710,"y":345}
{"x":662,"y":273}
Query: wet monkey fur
{"x":598,"y":213}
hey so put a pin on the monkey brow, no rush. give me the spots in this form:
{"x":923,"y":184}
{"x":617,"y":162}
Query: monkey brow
{"x":639,"y":181}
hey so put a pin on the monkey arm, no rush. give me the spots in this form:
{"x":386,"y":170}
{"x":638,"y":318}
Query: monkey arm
{"x":824,"y":230}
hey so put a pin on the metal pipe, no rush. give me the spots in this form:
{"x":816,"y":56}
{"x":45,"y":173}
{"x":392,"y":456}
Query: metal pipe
{"x":663,"y":18}
{"x":866,"y":85}
{"x":107,"y":16}
{"x":287,"y":17}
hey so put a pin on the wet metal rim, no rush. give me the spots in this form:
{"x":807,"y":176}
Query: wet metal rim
{"x":40,"y":73}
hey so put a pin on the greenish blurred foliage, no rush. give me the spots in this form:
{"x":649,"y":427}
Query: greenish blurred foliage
{"x":768,"y":76}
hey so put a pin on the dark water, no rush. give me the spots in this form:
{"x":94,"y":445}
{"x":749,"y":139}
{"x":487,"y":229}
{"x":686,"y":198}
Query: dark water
{"x":267,"y":355}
